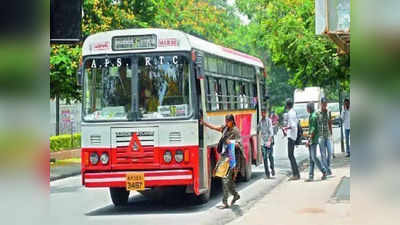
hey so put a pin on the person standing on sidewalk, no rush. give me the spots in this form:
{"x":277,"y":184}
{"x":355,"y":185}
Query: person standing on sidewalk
{"x":312,"y":143}
{"x":325,"y":131}
{"x":291,"y":130}
{"x":229,"y":133}
{"x":275,"y":122}
{"x":346,"y":123}
{"x":265,"y":127}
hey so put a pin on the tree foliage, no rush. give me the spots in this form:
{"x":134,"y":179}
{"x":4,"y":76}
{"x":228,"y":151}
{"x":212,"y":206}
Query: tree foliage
{"x":287,"y":29}
{"x":281,"y":33}
{"x":213,"y":20}
{"x":64,"y":61}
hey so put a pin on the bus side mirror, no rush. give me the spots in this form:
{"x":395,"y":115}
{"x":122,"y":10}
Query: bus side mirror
{"x":79,"y":76}
{"x":199,"y":65}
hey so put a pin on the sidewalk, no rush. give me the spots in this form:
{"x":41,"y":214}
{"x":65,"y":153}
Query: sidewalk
{"x":63,"y":168}
{"x":302,"y":203}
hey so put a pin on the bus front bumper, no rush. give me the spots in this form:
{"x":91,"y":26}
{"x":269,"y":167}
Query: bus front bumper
{"x":152,"y":178}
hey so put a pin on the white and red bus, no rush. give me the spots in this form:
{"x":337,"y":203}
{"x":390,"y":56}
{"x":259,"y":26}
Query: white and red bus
{"x":144,"y":91}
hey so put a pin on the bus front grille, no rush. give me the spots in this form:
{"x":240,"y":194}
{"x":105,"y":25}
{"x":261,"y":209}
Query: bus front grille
{"x":128,"y":151}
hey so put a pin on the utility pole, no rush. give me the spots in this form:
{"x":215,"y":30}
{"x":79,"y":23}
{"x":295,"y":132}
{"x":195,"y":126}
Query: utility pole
{"x":341,"y":122}
{"x":57,"y":115}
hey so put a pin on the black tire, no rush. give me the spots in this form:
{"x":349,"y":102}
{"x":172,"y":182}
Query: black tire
{"x":119,"y":196}
{"x":248,"y":171}
{"x":205,"y":197}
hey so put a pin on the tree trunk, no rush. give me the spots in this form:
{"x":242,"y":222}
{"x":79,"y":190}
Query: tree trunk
{"x":57,"y":115}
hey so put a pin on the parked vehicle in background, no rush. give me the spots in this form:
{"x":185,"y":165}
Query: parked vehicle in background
{"x":333,"y":107}
{"x":300,"y":98}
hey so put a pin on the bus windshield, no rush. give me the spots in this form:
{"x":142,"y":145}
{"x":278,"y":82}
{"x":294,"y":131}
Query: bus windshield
{"x":163,"y":89}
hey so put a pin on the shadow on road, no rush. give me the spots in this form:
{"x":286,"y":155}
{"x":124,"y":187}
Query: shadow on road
{"x":173,"y":200}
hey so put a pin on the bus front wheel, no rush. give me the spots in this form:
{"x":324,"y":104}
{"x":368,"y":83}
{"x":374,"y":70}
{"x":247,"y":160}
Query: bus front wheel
{"x":119,"y":196}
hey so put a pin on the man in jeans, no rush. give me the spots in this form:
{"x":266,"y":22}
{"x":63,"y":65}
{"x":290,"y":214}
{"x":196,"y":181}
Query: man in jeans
{"x":325,"y":131}
{"x":312,"y":143}
{"x":346,"y":123}
{"x":291,"y":131}
{"x":265,"y":127}
{"x":275,"y":121}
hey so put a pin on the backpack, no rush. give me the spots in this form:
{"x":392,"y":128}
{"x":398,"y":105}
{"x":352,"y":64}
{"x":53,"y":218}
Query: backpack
{"x":299,"y":134}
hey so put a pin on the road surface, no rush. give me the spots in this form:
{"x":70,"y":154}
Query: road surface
{"x":71,"y":203}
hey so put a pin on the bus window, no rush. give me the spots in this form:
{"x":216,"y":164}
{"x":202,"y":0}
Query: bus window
{"x":218,"y":94}
{"x":245,"y":94}
{"x":207,"y":94}
{"x":236,"y":69}
{"x":221,"y":66}
{"x":243,"y":70}
{"x":164,"y":90}
{"x":253,"y":95}
{"x":238,"y":95}
{"x":231,"y":94}
{"x":229,"y":69}
{"x":212,"y":64}
{"x":222,"y":85}
{"x":107,"y":89}
{"x":212,"y":94}
{"x":206,"y":66}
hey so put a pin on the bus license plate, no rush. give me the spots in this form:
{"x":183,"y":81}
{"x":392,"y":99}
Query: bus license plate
{"x":134,"y":181}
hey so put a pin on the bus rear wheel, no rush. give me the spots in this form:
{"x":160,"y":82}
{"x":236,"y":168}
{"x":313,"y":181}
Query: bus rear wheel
{"x":119,"y":196}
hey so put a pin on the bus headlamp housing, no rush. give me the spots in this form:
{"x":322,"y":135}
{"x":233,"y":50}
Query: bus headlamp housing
{"x":94,"y":158}
{"x":167,"y":156}
{"x":179,"y":156}
{"x":104,"y":158}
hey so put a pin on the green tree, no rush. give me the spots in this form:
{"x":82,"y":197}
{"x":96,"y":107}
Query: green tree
{"x":287,"y":29}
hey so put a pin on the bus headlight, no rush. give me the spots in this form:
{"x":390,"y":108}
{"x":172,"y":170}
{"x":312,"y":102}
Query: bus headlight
{"x":167,"y":156}
{"x":104,"y":158}
{"x":94,"y":158}
{"x":178,"y":156}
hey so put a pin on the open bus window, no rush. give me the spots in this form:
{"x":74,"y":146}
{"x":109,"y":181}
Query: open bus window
{"x":164,"y":87}
{"x":107,"y":89}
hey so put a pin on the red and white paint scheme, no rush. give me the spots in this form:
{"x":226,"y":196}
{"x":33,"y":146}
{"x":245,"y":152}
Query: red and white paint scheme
{"x":144,"y":91}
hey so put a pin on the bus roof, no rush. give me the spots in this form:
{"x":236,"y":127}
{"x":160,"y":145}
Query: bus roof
{"x":167,"y":40}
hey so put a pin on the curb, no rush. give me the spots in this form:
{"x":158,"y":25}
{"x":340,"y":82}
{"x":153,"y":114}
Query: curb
{"x":65,"y":154}
{"x":54,"y":178}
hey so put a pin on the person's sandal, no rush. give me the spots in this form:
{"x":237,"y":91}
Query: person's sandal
{"x":224,"y":205}
{"x":235,"y":198}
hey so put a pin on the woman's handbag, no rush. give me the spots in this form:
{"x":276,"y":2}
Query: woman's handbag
{"x":222,"y":167}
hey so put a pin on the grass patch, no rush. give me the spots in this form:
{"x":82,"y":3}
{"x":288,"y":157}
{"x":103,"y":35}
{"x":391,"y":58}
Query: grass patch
{"x":66,"y":162}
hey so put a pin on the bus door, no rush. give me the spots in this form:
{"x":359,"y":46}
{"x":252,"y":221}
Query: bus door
{"x":204,"y":167}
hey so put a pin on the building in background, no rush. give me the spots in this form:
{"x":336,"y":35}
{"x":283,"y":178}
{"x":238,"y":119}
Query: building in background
{"x":332,"y":19}
{"x":70,"y":117}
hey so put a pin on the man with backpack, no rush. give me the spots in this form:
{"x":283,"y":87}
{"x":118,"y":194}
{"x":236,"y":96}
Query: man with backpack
{"x":292,"y":133}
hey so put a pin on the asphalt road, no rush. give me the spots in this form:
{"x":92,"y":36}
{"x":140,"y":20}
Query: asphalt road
{"x":71,"y":203}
